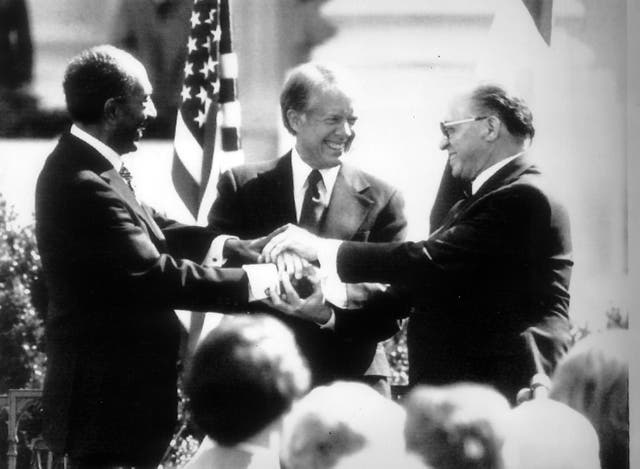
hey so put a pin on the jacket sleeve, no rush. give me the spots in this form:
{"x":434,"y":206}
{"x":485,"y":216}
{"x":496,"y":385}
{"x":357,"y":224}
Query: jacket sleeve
{"x":508,"y":224}
{"x":378,"y":307}
{"x":226,"y":215}
{"x":115,"y":248}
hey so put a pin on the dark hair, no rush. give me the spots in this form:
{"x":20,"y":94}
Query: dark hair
{"x":245,"y":374}
{"x":512,"y":111}
{"x":297,"y":88}
{"x":93,"y":77}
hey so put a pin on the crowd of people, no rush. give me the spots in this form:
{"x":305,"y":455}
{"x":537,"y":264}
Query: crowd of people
{"x":250,"y":393}
{"x":306,"y":255}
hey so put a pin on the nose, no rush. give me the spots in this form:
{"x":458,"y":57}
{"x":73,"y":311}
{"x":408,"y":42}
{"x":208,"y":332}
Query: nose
{"x":345,"y":129}
{"x":444,"y":143}
{"x":150,"y":111}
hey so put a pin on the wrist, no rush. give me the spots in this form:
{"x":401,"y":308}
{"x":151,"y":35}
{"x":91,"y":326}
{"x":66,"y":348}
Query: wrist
{"x":323,"y":314}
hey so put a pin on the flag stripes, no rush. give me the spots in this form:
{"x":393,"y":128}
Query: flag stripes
{"x":231,"y":120}
{"x":195,"y":131}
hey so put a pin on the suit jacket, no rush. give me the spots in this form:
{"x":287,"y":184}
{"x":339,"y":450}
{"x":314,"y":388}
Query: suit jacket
{"x":255,"y":199}
{"x":499,"y":264}
{"x":112,"y":336}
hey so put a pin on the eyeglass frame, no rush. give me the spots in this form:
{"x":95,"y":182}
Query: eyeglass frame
{"x":444,"y":125}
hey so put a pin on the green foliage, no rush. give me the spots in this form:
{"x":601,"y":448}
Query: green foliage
{"x":22,"y":358}
{"x":398,"y":356}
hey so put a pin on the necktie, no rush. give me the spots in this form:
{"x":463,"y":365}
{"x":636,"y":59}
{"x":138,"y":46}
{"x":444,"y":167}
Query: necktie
{"x":128,"y":178}
{"x":312,"y":207}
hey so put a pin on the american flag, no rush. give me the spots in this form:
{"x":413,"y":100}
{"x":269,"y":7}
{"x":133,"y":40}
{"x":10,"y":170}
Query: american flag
{"x":209,"y":85}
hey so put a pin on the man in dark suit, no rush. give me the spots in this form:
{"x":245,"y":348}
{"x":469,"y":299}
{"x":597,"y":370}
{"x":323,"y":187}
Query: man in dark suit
{"x":114,"y":274}
{"x":343,"y":202}
{"x":498,"y":265}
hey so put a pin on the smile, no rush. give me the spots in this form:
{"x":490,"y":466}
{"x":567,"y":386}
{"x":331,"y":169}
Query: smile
{"x":335,"y":146}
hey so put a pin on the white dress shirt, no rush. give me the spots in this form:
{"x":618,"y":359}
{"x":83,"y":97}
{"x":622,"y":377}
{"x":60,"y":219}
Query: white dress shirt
{"x":484,"y":176}
{"x":109,"y":153}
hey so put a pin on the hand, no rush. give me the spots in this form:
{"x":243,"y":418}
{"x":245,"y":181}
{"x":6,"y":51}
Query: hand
{"x":244,"y":251}
{"x":291,"y":238}
{"x":293,"y":265}
{"x":312,"y":308}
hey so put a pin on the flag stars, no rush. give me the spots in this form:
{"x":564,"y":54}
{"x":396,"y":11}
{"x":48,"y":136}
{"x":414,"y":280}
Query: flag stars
{"x":204,"y":70}
{"x":207,"y":45}
{"x":212,"y":16}
{"x":195,"y":19}
{"x":185,"y":93}
{"x":202,"y":95}
{"x":192,"y":44}
{"x":188,"y":69}
{"x":211,"y":65}
{"x":200,"y":119}
{"x":215,"y":87}
{"x":215,"y":34}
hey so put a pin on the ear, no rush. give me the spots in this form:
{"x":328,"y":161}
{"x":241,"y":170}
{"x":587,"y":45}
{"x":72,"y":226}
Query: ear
{"x":295,"y":119}
{"x":110,"y":109}
{"x":493,"y":128}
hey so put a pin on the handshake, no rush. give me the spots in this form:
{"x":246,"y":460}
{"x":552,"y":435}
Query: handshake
{"x":291,"y":249}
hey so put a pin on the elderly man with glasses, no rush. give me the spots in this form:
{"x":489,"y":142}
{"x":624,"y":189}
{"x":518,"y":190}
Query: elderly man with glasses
{"x":498,"y":265}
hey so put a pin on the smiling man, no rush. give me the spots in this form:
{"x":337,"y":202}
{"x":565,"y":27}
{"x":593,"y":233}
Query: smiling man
{"x":499,"y":264}
{"x":311,"y":186}
{"x":115,"y":269}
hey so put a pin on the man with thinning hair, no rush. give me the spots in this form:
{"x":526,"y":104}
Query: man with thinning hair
{"x":312,"y":186}
{"x":498,"y":265}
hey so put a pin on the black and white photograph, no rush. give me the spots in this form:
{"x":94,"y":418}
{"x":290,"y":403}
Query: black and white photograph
{"x":306,"y":234}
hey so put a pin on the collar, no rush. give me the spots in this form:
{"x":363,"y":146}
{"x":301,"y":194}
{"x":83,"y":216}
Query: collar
{"x":106,"y":151}
{"x":490,"y":171}
{"x":301,"y":171}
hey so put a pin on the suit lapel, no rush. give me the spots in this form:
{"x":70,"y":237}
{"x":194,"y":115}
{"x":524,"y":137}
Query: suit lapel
{"x":83,"y":155}
{"x":506,"y":175}
{"x":348,"y":206}
{"x":112,"y":178}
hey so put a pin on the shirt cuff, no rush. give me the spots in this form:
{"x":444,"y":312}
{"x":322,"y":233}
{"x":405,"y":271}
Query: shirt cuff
{"x":328,"y":258}
{"x":215,"y":257}
{"x":262,"y":277}
{"x":335,"y":292}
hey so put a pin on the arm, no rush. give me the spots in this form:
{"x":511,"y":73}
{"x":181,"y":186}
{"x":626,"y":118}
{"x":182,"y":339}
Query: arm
{"x":375,"y":306}
{"x":115,"y":246}
{"x":501,"y":225}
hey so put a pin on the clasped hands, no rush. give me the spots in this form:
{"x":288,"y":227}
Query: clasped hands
{"x":291,"y":248}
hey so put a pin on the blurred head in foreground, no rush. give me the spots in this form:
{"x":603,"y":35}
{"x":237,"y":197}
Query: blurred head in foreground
{"x":458,"y":426}
{"x":245,"y":374}
{"x":546,"y":434}
{"x":342,"y":420}
{"x":593,"y":378}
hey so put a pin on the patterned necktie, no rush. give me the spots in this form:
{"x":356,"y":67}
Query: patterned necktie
{"x":312,"y":207}
{"x":128,"y":178}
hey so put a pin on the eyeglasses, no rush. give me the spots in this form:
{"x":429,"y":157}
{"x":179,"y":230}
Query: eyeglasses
{"x":444,"y":126}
